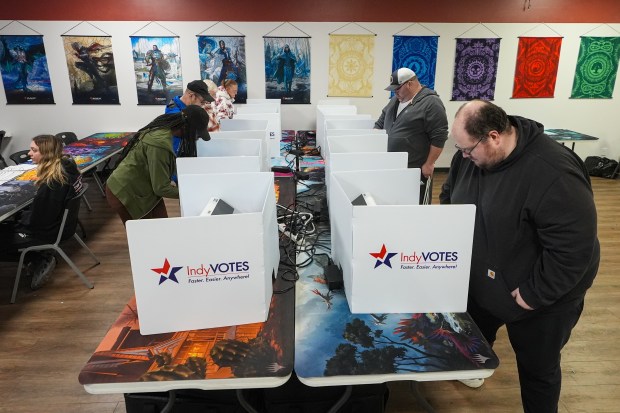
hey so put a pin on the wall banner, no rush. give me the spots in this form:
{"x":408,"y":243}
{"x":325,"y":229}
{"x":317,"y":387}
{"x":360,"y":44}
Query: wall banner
{"x":157,"y":65}
{"x":287,"y":69}
{"x":223,"y":57}
{"x":351,"y":65}
{"x":25,"y":74}
{"x":92,"y":74}
{"x":537,"y":67}
{"x":475,"y":68}
{"x":597,"y":66}
{"x":418,"y":53}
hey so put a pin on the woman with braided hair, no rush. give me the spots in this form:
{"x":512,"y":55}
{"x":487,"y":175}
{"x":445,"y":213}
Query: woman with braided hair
{"x":144,"y":177}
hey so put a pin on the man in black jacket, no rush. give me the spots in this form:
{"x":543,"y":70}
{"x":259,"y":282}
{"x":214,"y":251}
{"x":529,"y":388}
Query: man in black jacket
{"x":535,"y":250}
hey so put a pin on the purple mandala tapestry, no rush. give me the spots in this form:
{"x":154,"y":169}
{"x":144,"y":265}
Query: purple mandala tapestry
{"x":475,"y":69}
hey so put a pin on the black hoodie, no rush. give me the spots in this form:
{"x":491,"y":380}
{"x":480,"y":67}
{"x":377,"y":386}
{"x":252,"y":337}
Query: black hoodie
{"x":43,"y":219}
{"x":535,"y":224}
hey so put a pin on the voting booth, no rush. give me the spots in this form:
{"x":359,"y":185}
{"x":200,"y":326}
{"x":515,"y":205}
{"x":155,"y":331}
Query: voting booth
{"x":375,"y":144}
{"x":261,"y":135}
{"x":354,"y":143}
{"x":338,"y":132}
{"x":223,"y":155}
{"x":397,"y":256}
{"x":324,"y":111}
{"x":259,"y":101}
{"x":196,"y":272}
{"x":274,"y":123}
{"x":362,"y":161}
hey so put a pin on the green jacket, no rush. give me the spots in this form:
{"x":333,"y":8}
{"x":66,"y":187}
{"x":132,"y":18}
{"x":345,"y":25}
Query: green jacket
{"x":143,"y":177}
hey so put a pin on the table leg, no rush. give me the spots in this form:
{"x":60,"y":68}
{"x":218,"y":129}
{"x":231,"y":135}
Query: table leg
{"x":99,"y":183}
{"x":415,"y":389}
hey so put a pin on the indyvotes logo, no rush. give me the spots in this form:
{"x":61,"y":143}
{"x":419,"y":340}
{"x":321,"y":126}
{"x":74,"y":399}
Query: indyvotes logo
{"x":203,"y":273}
{"x":383,"y":257}
{"x":417,"y":260}
{"x":167,"y":272}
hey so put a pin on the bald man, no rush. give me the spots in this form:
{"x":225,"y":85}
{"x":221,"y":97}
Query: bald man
{"x":535,"y":249}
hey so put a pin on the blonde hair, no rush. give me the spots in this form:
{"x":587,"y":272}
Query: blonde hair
{"x":211,"y":86}
{"x":49,"y":168}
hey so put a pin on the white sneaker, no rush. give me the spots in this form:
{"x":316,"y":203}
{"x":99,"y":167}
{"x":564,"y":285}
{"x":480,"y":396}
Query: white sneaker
{"x":472,"y":383}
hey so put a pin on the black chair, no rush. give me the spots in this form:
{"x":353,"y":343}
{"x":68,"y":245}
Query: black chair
{"x":20,"y":156}
{"x":67,"y":137}
{"x":67,"y":230}
{"x":2,"y":161}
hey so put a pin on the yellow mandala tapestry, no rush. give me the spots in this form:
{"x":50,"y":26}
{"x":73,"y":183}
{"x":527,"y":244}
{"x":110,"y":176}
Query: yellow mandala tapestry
{"x":351,"y":60}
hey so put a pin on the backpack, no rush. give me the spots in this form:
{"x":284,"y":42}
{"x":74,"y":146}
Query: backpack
{"x":601,"y":166}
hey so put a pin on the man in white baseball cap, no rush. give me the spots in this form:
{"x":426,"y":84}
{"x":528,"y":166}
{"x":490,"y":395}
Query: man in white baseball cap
{"x":416,"y":122}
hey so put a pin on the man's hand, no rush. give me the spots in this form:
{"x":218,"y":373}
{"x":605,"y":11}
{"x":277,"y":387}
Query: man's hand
{"x":427,"y":169}
{"x":517,"y":296}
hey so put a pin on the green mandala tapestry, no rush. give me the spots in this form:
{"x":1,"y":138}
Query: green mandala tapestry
{"x":597,"y":66}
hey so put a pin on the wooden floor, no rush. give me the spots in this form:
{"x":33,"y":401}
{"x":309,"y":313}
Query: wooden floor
{"x":48,"y":335}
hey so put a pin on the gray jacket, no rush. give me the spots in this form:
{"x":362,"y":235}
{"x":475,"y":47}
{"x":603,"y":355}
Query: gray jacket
{"x":421,"y":124}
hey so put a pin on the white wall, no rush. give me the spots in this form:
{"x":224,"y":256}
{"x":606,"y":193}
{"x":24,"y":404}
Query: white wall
{"x":594,"y":117}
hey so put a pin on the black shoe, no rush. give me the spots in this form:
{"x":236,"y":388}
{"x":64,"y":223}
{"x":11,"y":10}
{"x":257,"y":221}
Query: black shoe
{"x":43,"y":271}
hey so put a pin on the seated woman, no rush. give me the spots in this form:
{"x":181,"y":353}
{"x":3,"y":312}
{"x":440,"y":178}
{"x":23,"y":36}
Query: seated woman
{"x":224,"y":98}
{"x":144,"y":177}
{"x":58,"y":180}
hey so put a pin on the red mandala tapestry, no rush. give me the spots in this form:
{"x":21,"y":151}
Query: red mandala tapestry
{"x":537,"y":67}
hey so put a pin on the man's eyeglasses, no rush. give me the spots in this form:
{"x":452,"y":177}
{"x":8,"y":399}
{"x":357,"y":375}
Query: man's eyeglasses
{"x":468,"y":151}
{"x":398,"y":88}
{"x":202,"y":102}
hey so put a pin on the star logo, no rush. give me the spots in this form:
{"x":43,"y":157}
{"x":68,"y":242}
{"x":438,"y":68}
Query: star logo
{"x":166,"y":272}
{"x":383,"y":257}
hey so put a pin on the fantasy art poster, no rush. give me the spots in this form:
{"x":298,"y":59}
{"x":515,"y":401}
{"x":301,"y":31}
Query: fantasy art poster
{"x":287,"y":69}
{"x":351,"y":65}
{"x":92,"y":74}
{"x":25,"y":74}
{"x":418,"y":53}
{"x":538,"y":59}
{"x":475,"y":69}
{"x":223,"y":57}
{"x":157,"y":65}
{"x":597,"y":67}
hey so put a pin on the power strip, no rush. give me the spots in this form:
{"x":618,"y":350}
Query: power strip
{"x":293,"y":237}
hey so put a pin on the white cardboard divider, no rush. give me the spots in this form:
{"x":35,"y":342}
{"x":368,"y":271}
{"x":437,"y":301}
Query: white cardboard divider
{"x":242,"y":124}
{"x":362,"y":122}
{"x":330,"y":110}
{"x":340,"y":132}
{"x":399,"y":257}
{"x":218,"y":164}
{"x":354,"y":143}
{"x":260,"y":135}
{"x":274,"y":128}
{"x":251,"y":101}
{"x":361,"y":161}
{"x":226,"y":146}
{"x":364,"y":118}
{"x":334,"y":101}
{"x":201,"y":272}
{"x":257,"y":108}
